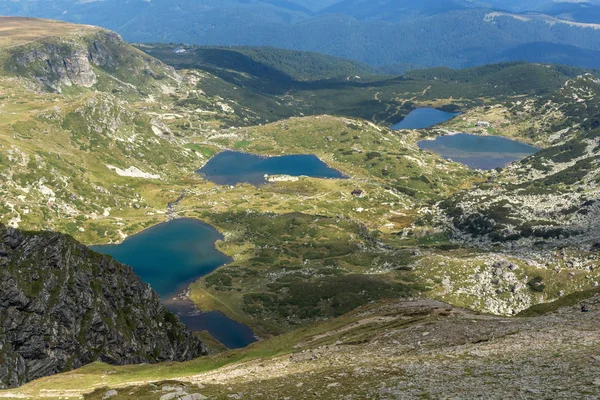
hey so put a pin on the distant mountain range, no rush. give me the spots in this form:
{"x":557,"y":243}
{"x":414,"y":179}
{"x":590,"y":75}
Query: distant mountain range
{"x":455,"y":33}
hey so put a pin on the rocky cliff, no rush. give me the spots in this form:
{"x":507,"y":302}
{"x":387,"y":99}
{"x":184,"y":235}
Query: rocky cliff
{"x":86,"y":57}
{"x":62,"y":306}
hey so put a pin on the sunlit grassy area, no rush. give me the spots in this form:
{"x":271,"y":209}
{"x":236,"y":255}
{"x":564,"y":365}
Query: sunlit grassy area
{"x":102,"y":163}
{"x":15,"y":31}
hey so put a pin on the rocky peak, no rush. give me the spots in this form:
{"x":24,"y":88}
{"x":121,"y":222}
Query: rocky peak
{"x":95,"y":58}
{"x":63,"y":306}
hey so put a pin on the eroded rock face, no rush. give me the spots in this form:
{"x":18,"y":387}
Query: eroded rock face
{"x":53,"y":67}
{"x":100,"y":52}
{"x":63,"y":306}
{"x":59,"y":64}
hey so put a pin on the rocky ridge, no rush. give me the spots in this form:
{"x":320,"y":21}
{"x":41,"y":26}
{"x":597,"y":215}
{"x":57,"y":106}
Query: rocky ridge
{"x":89,"y":58}
{"x":551,"y":196}
{"x":397,"y":350}
{"x":63,"y":306}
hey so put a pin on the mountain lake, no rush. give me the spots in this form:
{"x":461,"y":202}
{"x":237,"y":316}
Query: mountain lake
{"x":479,"y":152}
{"x":169,"y":257}
{"x":422,"y":118}
{"x":233,"y":167}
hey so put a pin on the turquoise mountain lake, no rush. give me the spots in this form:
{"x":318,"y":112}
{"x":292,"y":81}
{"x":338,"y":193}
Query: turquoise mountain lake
{"x":169,"y":257}
{"x":233,"y":167}
{"x":479,"y":152}
{"x":422,"y":118}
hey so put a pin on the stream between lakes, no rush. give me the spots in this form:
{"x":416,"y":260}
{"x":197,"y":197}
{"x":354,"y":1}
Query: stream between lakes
{"x":171,"y":255}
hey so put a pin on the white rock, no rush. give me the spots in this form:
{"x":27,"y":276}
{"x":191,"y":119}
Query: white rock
{"x":109,"y":394}
{"x":193,"y":396}
{"x":133,"y":172}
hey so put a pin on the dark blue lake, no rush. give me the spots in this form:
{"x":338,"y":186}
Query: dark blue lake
{"x":422,"y":118}
{"x":233,"y":167}
{"x":169,"y":257}
{"x":479,"y":152}
{"x":232,"y":334}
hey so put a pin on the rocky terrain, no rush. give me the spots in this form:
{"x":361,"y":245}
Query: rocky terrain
{"x":63,"y":306}
{"x":551,"y":197}
{"x":100,"y":140}
{"x":58,"y":56}
{"x":387,"y":350}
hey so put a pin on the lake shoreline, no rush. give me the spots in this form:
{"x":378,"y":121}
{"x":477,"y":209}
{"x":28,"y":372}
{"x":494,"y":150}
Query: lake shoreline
{"x":226,"y":168}
{"x":478,"y":152}
{"x":190,"y":255}
{"x":443,"y":132}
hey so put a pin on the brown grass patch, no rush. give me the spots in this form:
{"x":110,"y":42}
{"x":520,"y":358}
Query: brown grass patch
{"x":17,"y":31}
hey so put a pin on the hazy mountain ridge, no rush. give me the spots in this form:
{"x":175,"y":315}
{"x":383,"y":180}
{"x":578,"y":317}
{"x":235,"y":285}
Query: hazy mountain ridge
{"x":354,"y":29}
{"x":398,"y":10}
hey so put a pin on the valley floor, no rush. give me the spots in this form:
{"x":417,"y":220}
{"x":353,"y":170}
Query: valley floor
{"x":394,"y":283}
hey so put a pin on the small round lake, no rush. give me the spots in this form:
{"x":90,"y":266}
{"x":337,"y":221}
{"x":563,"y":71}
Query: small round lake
{"x":169,"y":257}
{"x":422,"y":118}
{"x":233,"y":167}
{"x":479,"y":152}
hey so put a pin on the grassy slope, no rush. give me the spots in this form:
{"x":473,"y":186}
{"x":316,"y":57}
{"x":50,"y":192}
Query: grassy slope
{"x":16,"y":31}
{"x":250,"y":289}
{"x":63,"y":183}
{"x":55,"y":148}
{"x":273,"y":251}
{"x":270,"y":89}
{"x":398,"y":178}
{"x":70,"y":132}
{"x":385,"y":349}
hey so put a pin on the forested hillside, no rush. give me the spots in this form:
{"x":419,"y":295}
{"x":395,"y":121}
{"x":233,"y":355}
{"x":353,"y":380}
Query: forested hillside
{"x":264,"y":63}
{"x":273,"y":83}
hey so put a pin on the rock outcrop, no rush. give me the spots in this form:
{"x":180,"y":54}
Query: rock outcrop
{"x":55,"y":70}
{"x":551,"y":198}
{"x":63,"y":306}
{"x":92,"y":58}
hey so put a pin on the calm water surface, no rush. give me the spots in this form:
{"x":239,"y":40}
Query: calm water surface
{"x":169,"y":257}
{"x":479,"y":152}
{"x":233,"y":167}
{"x":422,"y":118}
{"x":231,"y":333}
